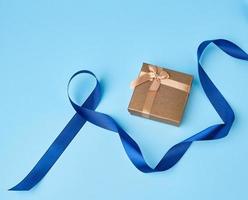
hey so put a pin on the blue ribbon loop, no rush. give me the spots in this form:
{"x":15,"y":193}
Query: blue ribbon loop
{"x":87,"y":112}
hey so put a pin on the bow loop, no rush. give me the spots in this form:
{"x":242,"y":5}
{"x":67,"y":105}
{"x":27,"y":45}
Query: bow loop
{"x":155,"y":74}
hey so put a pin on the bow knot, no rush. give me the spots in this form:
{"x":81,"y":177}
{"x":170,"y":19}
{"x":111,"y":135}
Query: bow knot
{"x":155,"y":74}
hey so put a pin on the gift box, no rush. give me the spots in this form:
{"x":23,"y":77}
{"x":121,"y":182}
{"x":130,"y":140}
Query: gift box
{"x":160,"y":94}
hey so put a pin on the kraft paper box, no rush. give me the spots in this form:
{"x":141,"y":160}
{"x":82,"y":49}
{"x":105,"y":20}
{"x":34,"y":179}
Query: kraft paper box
{"x":160,"y":94}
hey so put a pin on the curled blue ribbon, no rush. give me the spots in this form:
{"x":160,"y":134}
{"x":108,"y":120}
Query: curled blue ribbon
{"x":87,"y":112}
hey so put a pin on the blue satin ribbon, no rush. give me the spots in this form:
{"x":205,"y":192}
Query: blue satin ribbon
{"x":87,"y":112}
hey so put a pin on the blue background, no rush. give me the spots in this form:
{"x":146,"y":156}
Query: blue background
{"x":42,"y":43}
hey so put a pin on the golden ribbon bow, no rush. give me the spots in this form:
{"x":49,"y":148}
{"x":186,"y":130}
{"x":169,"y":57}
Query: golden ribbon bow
{"x":158,"y":76}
